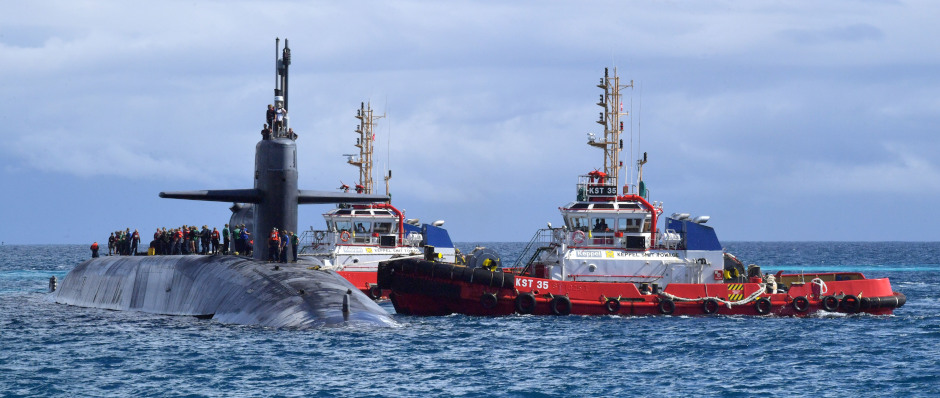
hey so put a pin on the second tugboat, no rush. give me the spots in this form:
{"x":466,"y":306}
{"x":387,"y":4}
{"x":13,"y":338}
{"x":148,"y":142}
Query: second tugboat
{"x":610,"y":257}
{"x":358,"y":236}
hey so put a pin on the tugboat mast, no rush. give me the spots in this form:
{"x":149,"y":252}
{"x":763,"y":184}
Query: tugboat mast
{"x":611,"y":101}
{"x":367,"y":122}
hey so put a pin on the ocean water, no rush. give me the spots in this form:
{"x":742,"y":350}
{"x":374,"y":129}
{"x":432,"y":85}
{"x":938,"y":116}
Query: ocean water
{"x":48,"y":349}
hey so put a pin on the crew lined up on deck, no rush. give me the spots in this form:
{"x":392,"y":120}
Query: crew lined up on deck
{"x":278,"y":242}
{"x":235,"y":240}
{"x":123,"y":243}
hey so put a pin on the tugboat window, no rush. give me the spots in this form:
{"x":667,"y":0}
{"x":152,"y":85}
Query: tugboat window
{"x":602,"y":224}
{"x":343,"y":226}
{"x":383,"y":227}
{"x":578,"y":224}
{"x":363,"y":227}
{"x":629,"y":225}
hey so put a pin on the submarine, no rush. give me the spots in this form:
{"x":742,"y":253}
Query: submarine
{"x":229,"y":288}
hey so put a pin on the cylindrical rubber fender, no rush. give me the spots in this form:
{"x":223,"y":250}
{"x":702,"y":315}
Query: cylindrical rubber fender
{"x":851,"y":304}
{"x":482,"y":276}
{"x":425,"y":267}
{"x":442,"y":270}
{"x":866,"y":303}
{"x":408,"y":266}
{"x":383,"y":276}
{"x":710,"y":306}
{"x":830,"y":303}
{"x":666,"y":306}
{"x":489,"y":300}
{"x":509,"y":281}
{"x":560,"y":305}
{"x":763,"y":306}
{"x":525,"y":303}
{"x":800,"y":304}
{"x":612,"y":306}
{"x":375,"y":292}
{"x":498,"y":278}
{"x":463,"y":274}
{"x":901,"y":299}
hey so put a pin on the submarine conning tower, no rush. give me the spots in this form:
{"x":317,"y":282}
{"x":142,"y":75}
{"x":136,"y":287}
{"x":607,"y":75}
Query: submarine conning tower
{"x":275,"y":195}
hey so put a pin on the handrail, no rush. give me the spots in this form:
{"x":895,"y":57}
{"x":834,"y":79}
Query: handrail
{"x":541,"y":236}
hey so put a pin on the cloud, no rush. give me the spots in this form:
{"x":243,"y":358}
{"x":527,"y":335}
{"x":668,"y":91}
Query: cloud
{"x":851,"y":33}
{"x":906,"y":173}
{"x":488,"y":103}
{"x":64,"y":152}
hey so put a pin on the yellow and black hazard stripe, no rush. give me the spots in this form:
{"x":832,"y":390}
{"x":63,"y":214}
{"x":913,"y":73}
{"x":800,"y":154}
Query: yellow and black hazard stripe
{"x":735,"y":291}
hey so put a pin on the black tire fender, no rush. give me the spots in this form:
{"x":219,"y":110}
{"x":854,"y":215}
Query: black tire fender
{"x":612,"y":306}
{"x":375,"y":292}
{"x":829,"y":303}
{"x":710,"y":306}
{"x":800,"y":304}
{"x":489,"y":300}
{"x":525,"y":303}
{"x":763,"y":306}
{"x":666,"y":306}
{"x":851,"y":304}
{"x":560,"y":305}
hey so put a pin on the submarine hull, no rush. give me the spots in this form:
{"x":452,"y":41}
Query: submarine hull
{"x":229,"y":289}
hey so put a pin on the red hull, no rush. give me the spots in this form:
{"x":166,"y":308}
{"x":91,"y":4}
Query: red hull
{"x":366,"y":282}
{"x":425,"y":288}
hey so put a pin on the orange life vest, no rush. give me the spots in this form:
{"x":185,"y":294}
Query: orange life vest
{"x":274,"y":237}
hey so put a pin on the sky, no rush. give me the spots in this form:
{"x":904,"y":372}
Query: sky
{"x":782,"y":120}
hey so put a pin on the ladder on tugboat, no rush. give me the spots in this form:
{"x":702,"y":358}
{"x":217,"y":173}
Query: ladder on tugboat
{"x":540,"y":242}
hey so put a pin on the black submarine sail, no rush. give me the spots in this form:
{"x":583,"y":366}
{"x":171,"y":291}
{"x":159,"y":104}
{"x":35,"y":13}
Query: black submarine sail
{"x":235,"y":289}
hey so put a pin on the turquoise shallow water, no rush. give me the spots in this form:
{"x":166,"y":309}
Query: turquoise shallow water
{"x":55,"y":350}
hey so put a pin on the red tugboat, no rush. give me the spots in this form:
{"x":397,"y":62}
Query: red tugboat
{"x":358,"y":236}
{"x":611,"y":257}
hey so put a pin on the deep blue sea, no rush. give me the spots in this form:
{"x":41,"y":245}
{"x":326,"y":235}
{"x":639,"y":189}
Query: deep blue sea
{"x":48,"y":349}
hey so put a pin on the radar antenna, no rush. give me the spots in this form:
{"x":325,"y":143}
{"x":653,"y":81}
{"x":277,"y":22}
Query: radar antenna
{"x":611,"y":101}
{"x":365,"y":129}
